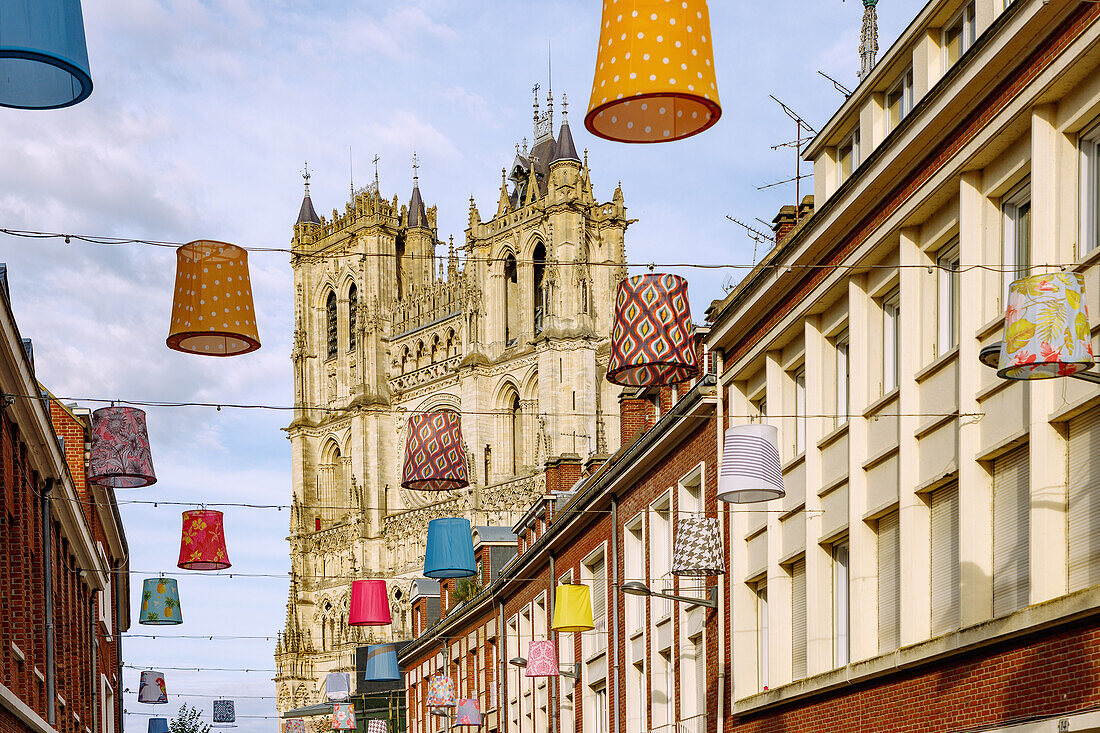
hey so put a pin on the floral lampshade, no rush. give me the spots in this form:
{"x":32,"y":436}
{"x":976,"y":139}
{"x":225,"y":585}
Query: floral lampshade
{"x":343,"y":716}
{"x":212,"y":312}
{"x":652,"y":342}
{"x":152,"y":689}
{"x":120,"y":457}
{"x":338,"y":686}
{"x":160,"y":602}
{"x":370,"y":606}
{"x":468,"y":712}
{"x":294,"y":725}
{"x":43,"y":54}
{"x":1047,"y":330}
{"x":381,"y":663}
{"x":542,"y":658}
{"x":572,"y":608}
{"x":203,"y":543}
{"x":750,"y":465}
{"x":441,"y":691}
{"x":434,"y":457}
{"x":378,"y":725}
{"x":225,"y":716}
{"x":158,"y":725}
{"x":450,"y":549}
{"x":654,"y":78}
{"x":698,"y":547}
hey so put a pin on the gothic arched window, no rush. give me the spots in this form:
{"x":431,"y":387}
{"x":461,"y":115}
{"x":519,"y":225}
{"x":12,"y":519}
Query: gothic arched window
{"x":542,"y":292}
{"x":330,"y":324}
{"x":516,"y":420}
{"x":511,"y":302}
{"x":353,"y":303}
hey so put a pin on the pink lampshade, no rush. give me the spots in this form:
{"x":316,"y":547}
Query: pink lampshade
{"x":468,"y":712}
{"x":120,"y":456}
{"x":542,"y":659}
{"x":369,"y":604}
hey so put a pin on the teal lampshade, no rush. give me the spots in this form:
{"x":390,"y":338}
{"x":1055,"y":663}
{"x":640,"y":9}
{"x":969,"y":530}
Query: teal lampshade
{"x":43,"y":54}
{"x":450,"y":551}
{"x":160,"y":602}
{"x":158,"y":725}
{"x":381,"y":663}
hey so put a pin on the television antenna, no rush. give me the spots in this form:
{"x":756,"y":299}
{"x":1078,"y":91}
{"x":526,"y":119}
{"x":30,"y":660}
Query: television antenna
{"x":837,"y":85}
{"x":757,"y":236}
{"x":800,"y":125}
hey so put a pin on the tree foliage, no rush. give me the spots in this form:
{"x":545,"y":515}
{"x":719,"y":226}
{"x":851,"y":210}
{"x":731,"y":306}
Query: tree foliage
{"x":188,"y":720}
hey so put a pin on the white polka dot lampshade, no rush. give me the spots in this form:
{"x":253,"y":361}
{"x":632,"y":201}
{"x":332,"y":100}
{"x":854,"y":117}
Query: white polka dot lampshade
{"x":654,"y":77}
{"x":212,"y":311}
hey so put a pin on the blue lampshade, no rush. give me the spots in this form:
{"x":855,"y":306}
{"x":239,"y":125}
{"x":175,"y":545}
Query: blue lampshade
{"x":43,"y":54}
{"x":158,"y":725}
{"x":381,"y":663}
{"x":450,"y":552}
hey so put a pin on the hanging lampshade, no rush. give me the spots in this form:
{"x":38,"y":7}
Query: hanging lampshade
{"x":468,"y":712}
{"x":203,"y":544}
{"x":338,"y":686}
{"x":295,"y":725}
{"x":224,"y":714}
{"x":653,"y":341}
{"x":654,"y":78}
{"x":160,"y":602}
{"x":572,"y":608}
{"x":450,"y":550}
{"x":369,"y":604}
{"x":377,"y":725}
{"x":212,"y":310}
{"x":434,"y":457}
{"x":43,"y":54}
{"x":1047,"y":330}
{"x":120,"y":457}
{"x":381,"y":663}
{"x":343,"y":716}
{"x":441,"y":691}
{"x":750,"y":465}
{"x":158,"y":725}
{"x":698,"y":547}
{"x":152,"y":690}
{"x":542,"y":658}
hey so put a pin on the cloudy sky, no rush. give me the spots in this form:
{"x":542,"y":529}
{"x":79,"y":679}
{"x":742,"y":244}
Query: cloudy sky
{"x":202,"y":115}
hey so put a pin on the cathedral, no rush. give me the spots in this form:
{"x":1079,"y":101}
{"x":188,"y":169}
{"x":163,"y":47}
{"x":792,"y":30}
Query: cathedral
{"x":512,"y":332}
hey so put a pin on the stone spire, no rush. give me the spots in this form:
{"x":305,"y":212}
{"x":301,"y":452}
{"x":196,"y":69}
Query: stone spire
{"x":307,"y":214}
{"x":868,"y":39}
{"x":505,"y":202}
{"x":452,"y":259}
{"x":565,"y":149}
{"x":418,"y":217}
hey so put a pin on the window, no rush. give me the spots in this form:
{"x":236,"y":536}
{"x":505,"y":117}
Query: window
{"x":1090,"y":190}
{"x":595,"y":573}
{"x":515,"y":415}
{"x":800,"y":411}
{"x":663,"y":686}
{"x":847,"y":157}
{"x":330,"y":324}
{"x":634,"y":559}
{"x":108,"y":716}
{"x":798,"y":620}
{"x":353,"y":305}
{"x":599,"y":709}
{"x":1011,"y":532}
{"x":762,"y":634}
{"x":660,"y":555}
{"x":958,"y":35}
{"x":889,"y":585}
{"x":542,"y":288}
{"x":891,"y":343}
{"x":945,"y":559}
{"x":1016,"y":258}
{"x":760,"y":406}
{"x":841,"y":404}
{"x":841,"y":601}
{"x":511,"y":301}
{"x":899,"y":100}
{"x":947,"y":298}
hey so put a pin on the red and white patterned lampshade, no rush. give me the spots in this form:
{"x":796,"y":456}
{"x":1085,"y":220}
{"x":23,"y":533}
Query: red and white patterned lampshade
{"x":542,"y":658}
{"x":343,"y":716}
{"x":653,"y":341}
{"x":203,"y":544}
{"x":1047,"y":332}
{"x":295,"y":725}
{"x":212,"y":311}
{"x":468,"y":712}
{"x":120,"y":457}
{"x":434,"y":456}
{"x":441,"y":691}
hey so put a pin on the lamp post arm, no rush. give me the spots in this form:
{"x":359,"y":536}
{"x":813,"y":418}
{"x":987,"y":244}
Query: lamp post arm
{"x":711,"y":601}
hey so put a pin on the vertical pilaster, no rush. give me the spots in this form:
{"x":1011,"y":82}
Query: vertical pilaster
{"x":819,"y":611}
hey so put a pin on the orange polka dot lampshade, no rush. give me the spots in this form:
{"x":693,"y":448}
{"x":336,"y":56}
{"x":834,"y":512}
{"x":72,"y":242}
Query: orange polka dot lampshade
{"x":654,"y":77}
{"x":212,"y":311}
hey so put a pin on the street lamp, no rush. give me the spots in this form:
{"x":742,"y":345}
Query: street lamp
{"x":638,"y":588}
{"x":573,"y":673}
{"x":990,"y":356}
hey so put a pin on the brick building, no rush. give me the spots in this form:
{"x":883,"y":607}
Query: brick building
{"x":64,"y":595}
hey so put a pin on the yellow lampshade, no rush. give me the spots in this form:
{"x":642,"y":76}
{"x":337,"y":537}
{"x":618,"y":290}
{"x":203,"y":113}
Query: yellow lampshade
{"x":212,"y":311}
{"x":654,"y":77}
{"x":572,"y":609}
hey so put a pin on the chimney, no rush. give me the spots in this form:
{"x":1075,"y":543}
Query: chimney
{"x":784,"y":222}
{"x":806,"y":208}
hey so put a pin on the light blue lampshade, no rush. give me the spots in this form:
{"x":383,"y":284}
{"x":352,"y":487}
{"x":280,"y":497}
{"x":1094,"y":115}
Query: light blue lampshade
{"x":381,"y":663}
{"x":43,"y":54}
{"x":158,"y":725}
{"x":160,"y":602}
{"x":450,"y":552}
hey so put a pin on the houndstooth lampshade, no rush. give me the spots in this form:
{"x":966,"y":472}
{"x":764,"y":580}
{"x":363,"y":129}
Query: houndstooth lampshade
{"x":434,"y":457}
{"x":377,"y":725}
{"x":698,"y":547}
{"x":653,"y":342}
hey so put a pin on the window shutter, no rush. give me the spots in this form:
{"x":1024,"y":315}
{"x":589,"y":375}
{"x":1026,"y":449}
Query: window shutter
{"x":1011,"y":529}
{"x":798,"y":620}
{"x":1083,"y":509}
{"x":889,"y":586}
{"x":945,"y":559}
{"x":599,"y":593}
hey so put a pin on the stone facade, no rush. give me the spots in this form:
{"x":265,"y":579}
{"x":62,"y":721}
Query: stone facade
{"x":514,"y":335}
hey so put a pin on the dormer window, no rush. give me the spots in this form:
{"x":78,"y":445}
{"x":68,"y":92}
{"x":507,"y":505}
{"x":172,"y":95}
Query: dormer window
{"x":899,"y":100}
{"x":847,"y":157}
{"x":958,"y":35}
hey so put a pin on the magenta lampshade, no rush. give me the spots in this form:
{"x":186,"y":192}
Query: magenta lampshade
{"x":542,"y":659}
{"x":468,"y":712}
{"x":120,"y":457}
{"x":202,"y":546}
{"x":369,"y":604}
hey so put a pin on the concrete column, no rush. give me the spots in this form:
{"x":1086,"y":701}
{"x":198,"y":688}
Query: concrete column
{"x":779,"y":580}
{"x":926,"y":62}
{"x":742,"y":599}
{"x":819,"y":627}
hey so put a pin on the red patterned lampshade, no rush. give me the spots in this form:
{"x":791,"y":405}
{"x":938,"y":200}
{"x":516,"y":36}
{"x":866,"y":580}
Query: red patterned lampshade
{"x":120,"y":457}
{"x":212,"y":311}
{"x":343,"y":716}
{"x":652,"y":343}
{"x":434,"y":456}
{"x":542,"y":658}
{"x":369,"y":604}
{"x":295,"y":725}
{"x":468,"y":712}
{"x":203,"y":543}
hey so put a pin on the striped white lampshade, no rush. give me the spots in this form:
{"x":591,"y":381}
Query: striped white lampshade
{"x":750,"y":465}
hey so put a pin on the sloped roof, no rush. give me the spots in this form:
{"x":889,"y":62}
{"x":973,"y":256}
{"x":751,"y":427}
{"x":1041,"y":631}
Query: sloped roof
{"x":307,"y":215}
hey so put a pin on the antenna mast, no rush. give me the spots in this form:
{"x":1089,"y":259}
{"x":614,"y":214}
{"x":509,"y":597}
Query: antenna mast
{"x":800,"y":124}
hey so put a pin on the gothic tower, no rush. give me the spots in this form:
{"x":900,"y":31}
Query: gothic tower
{"x":514,"y":336}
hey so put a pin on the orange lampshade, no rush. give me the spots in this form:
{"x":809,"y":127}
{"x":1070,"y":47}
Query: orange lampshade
{"x":654,"y":72}
{"x":212,"y":310}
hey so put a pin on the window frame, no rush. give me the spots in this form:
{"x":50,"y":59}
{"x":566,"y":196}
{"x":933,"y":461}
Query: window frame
{"x":966,"y":20}
{"x":850,"y":141}
{"x":842,"y":392}
{"x":760,"y":599}
{"x":1088,"y":145}
{"x":842,"y":602}
{"x":947,"y":292}
{"x":1015,"y":205}
{"x":798,"y":379}
{"x":890,"y":305}
{"x":903,"y":87}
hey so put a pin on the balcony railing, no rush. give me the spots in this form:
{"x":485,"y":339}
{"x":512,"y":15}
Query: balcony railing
{"x":694,"y":724}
